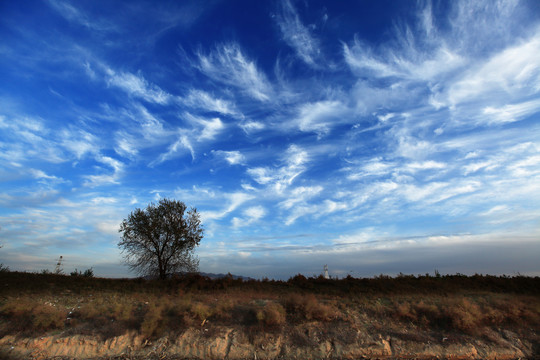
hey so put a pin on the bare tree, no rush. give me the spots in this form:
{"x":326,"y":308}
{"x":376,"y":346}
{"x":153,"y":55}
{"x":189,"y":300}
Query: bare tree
{"x":160,"y":239}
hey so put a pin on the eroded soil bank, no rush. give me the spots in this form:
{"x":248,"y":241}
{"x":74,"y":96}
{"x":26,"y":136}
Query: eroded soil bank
{"x":309,"y":341}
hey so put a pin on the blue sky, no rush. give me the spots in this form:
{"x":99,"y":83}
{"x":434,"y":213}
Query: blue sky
{"x":372,"y":136}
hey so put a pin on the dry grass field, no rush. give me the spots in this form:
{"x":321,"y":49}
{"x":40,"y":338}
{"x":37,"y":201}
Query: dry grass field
{"x":410,"y":308}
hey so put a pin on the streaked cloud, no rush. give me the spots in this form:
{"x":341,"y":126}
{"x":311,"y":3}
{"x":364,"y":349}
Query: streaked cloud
{"x":234,"y":157}
{"x":279,"y":178}
{"x":137,"y":86}
{"x":298,"y":36}
{"x":203,"y":100}
{"x":227,"y":64}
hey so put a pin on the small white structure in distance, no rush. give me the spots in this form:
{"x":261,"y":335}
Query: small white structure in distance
{"x":326,"y":276}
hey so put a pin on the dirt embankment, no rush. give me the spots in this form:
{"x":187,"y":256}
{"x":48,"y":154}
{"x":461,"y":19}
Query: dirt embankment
{"x":309,"y":341}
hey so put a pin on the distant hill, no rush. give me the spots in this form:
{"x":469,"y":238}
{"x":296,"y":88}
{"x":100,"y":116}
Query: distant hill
{"x":205,"y":274}
{"x":220,"y":276}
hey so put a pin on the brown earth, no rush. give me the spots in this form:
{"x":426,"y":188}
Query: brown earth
{"x":308,"y":341}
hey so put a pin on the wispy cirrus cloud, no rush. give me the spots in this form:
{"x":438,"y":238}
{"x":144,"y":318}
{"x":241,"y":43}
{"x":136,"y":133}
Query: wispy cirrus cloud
{"x":227,"y":64}
{"x":202,"y":130}
{"x":511,"y":112}
{"x":232,"y":201}
{"x":126,"y":144}
{"x":321,"y":116}
{"x":505,"y":78}
{"x":79,"y":142}
{"x":249,"y":216}
{"x":411,"y":62}
{"x":75,"y":15}
{"x":279,"y":178}
{"x":137,"y":86}
{"x":297,"y":35}
{"x":106,"y":178}
{"x":205,"y":101}
{"x":181,"y":145}
{"x":207,"y":129}
{"x":25,"y":138}
{"x":234,"y":157}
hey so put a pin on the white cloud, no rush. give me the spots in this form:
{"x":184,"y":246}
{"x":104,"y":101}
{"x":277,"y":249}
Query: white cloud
{"x":360,"y":237}
{"x":513,"y":72}
{"x":417,"y":193}
{"x":106,"y":179}
{"x":407,"y":63}
{"x":320,"y":116}
{"x":317,"y":210}
{"x":279,"y":178}
{"x":201,"y":99}
{"x":510,"y":113}
{"x":232,"y":157}
{"x":227,"y":64}
{"x":75,"y":15}
{"x":474,"y":25}
{"x":295,"y":34}
{"x":204,"y":129}
{"x":373,"y":167}
{"x":103,"y":200}
{"x":411,"y":146}
{"x":182,"y":143}
{"x":44,"y":178}
{"x":197,"y":193}
{"x":126,"y":145}
{"x":250,"y":216}
{"x":425,"y":165}
{"x":108,"y":227}
{"x":300,"y":195}
{"x":234,"y":201}
{"x":136,"y":85}
{"x":28,"y":138}
{"x":39,"y":174}
{"x":211,"y":128}
{"x":151,"y":127}
{"x":527,"y":167}
{"x":79,"y":142}
{"x":252,"y":126}
{"x":476,"y":166}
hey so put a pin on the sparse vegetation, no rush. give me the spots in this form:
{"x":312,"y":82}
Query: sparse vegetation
{"x":86,"y":273}
{"x":34,"y":304}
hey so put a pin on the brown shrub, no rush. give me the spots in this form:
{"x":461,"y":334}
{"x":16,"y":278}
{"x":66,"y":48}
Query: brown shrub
{"x":273,"y":314}
{"x":153,"y":321}
{"x":223,"y":309}
{"x":465,"y":316}
{"x":201,"y":311}
{"x":404,"y":311}
{"x":309,"y":308}
{"x":47,"y":317}
{"x":31,"y":316}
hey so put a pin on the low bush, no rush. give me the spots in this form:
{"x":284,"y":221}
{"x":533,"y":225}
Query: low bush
{"x":89,"y":273}
{"x":153,"y":322}
{"x":30,"y":316}
{"x":201,"y":311}
{"x":309,"y":308}
{"x":273,"y":314}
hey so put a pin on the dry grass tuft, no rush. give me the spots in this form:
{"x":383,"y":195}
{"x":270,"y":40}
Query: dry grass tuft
{"x":273,"y":314}
{"x":309,"y":308}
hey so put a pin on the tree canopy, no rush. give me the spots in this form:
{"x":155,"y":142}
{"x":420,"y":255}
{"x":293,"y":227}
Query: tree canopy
{"x":160,"y":239}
